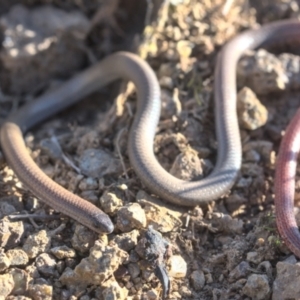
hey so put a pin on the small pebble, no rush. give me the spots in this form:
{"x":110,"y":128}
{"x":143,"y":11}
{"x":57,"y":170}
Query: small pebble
{"x":37,"y":243}
{"x":197,"y":280}
{"x":254,"y":257}
{"x":46,"y":265}
{"x":178,"y":267}
{"x":17,"y":257}
{"x":62,"y":252}
{"x":4,"y":261}
{"x":131,"y":216}
{"x":110,"y":202}
{"x":257,"y":287}
{"x":251,"y":113}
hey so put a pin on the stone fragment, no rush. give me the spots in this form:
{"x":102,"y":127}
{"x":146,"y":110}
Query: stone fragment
{"x":178,"y":267}
{"x":83,"y":238}
{"x":242,"y":270}
{"x":152,"y":295}
{"x":234,"y":202}
{"x":112,"y":290}
{"x":131,"y":216}
{"x":96,"y":163}
{"x":162,"y":216}
{"x":51,"y":148}
{"x":257,"y":287}
{"x":37,"y":243}
{"x":88,"y":183}
{"x":6,"y":285}
{"x":262,"y":72}
{"x":40,"y":291}
{"x":286,"y":284}
{"x":187,"y":165}
{"x":32,"y":271}
{"x":291,"y":260}
{"x":290,"y":63}
{"x":134,"y":270}
{"x":17,"y":257}
{"x":226,"y":223}
{"x":110,"y":202}
{"x":21,"y":280}
{"x":252,"y":114}
{"x":102,"y":262}
{"x":264,"y":149}
{"x":152,"y":247}
{"x":46,"y":265}
{"x":4,"y":261}
{"x":6,"y":208}
{"x":63,"y":251}
{"x":127,"y":241}
{"x":254,"y":257}
{"x":197,"y":280}
{"x":10,"y":233}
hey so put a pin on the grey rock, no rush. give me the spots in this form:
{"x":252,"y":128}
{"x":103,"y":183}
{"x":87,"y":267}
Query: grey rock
{"x":17,"y":257}
{"x":52,"y":148}
{"x":7,"y":208}
{"x":235,"y":202}
{"x":15,"y":201}
{"x":291,"y":260}
{"x":290,"y":65}
{"x":88,"y":184}
{"x":226,"y":223}
{"x":32,"y":271}
{"x":262,"y":72}
{"x":62,"y":252}
{"x":46,"y":265}
{"x":152,"y":295}
{"x":197,"y":280}
{"x":127,"y":241}
{"x":6,"y":284}
{"x":251,"y":156}
{"x":134,"y":270}
{"x":187,"y":165}
{"x":286,"y":284}
{"x":242,"y":270}
{"x":83,"y":239}
{"x":41,"y":291}
{"x":266,"y":267}
{"x":110,"y":202}
{"x":251,"y":113}
{"x":98,"y":267}
{"x":4,"y":261}
{"x":257,"y":287}
{"x":161,"y":216}
{"x":10,"y":233}
{"x":168,"y":105}
{"x":254,"y":257}
{"x":112,"y":290}
{"x":21,"y":280}
{"x":96,"y":163}
{"x":37,"y":243}
{"x":262,"y":147}
{"x":131,"y":216}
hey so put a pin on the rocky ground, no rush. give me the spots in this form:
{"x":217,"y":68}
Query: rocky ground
{"x":228,"y":249}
